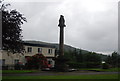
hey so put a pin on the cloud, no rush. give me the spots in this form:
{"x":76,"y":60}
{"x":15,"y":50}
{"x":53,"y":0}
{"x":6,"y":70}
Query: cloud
{"x":90,"y":24}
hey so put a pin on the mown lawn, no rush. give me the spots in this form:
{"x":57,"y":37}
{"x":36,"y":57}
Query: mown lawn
{"x":99,"y":69}
{"x":19,"y":71}
{"x":98,"y":76}
{"x":30,"y":71}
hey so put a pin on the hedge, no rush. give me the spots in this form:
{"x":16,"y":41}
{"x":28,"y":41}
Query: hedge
{"x":84,"y":65}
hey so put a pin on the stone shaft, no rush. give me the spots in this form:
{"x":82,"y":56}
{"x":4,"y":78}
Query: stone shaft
{"x":61,"y":41}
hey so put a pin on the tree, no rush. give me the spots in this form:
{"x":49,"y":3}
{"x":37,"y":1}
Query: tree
{"x":79,"y":56}
{"x":11,"y":29}
{"x":92,"y":57}
{"x":113,"y":60}
{"x":92,"y":60}
{"x":71,"y":55}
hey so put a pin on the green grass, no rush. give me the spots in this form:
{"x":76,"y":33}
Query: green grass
{"x":105,"y":70}
{"x":30,"y":71}
{"x":98,"y":76}
{"x":19,"y":71}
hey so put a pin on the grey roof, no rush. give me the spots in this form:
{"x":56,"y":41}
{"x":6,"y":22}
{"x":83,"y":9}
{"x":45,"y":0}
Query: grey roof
{"x":39,"y":44}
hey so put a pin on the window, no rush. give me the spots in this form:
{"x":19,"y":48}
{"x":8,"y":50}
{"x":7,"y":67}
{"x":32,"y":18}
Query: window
{"x":3,"y":61}
{"x":16,"y":61}
{"x":39,"y":50}
{"x":50,"y":51}
{"x":29,"y":49}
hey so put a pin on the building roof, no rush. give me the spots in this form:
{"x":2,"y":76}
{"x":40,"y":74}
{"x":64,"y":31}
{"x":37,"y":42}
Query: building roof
{"x":38,"y":44}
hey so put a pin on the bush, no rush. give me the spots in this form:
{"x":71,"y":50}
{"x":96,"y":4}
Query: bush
{"x":92,"y":64}
{"x":76,"y":65}
{"x":84,"y":65}
{"x":37,"y":61}
{"x":105,"y":66}
{"x":19,"y":67}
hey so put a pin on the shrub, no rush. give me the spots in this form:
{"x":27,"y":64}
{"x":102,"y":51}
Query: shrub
{"x":84,"y":65}
{"x":37,"y":61}
{"x":105,"y":66}
{"x":92,"y":64}
{"x":76,"y":65}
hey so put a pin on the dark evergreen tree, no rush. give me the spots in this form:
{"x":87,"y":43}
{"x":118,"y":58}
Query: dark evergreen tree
{"x":79,"y":56}
{"x":74,"y":55}
{"x":11,"y":29}
{"x":92,"y":57}
{"x":113,"y":60}
{"x":92,"y":60}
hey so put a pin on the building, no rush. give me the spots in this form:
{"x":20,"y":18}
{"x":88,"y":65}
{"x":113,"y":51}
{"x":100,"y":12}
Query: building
{"x":9,"y":59}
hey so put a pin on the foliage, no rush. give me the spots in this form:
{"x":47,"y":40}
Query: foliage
{"x":71,"y":56}
{"x":84,"y":65}
{"x":36,"y":62}
{"x":113,"y":60}
{"x":18,"y":66}
{"x":76,"y":65}
{"x":11,"y":29}
{"x":92,"y":57}
{"x":105,"y":66}
{"x":79,"y":56}
{"x":93,"y":65}
{"x":80,"y":60}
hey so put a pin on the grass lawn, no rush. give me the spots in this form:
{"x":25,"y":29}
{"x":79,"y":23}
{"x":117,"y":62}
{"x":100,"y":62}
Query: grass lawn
{"x":98,"y":76}
{"x":30,"y":71}
{"x":19,"y":71}
{"x":105,"y":70}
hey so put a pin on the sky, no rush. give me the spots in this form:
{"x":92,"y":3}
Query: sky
{"x":90,"y":24}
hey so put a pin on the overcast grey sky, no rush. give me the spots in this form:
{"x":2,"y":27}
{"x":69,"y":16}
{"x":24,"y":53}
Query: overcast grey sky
{"x":90,"y":24}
